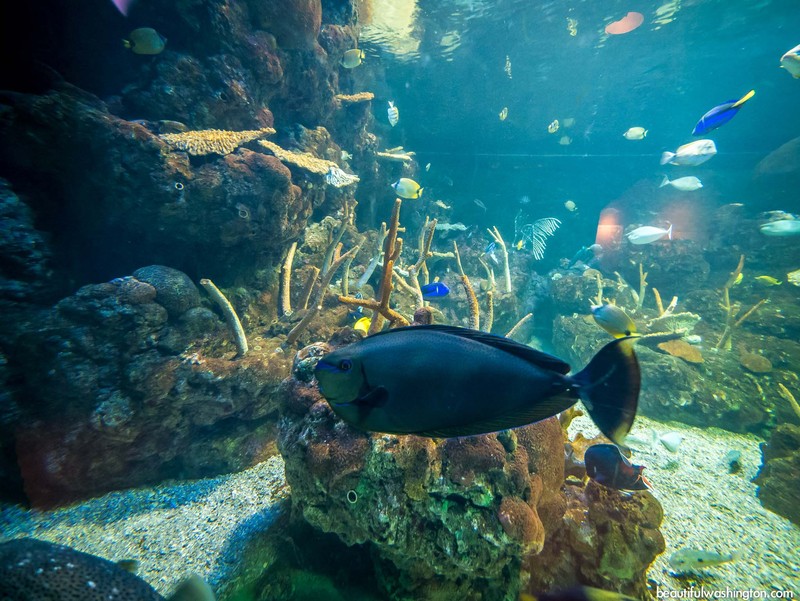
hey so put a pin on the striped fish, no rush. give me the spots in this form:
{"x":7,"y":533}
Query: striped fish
{"x":394,"y":114}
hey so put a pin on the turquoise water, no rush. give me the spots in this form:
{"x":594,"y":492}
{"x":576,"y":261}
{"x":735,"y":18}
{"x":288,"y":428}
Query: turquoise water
{"x":144,"y":416}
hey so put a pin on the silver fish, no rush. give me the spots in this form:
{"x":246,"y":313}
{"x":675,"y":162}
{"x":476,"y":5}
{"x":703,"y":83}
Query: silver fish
{"x":692,"y":154}
{"x":393,"y":113}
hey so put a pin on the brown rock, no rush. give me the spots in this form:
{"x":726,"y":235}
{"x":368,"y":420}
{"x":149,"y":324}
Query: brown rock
{"x":682,"y":349}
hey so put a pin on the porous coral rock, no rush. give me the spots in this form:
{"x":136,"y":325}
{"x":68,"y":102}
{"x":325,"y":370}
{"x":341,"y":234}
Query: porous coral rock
{"x":457,"y":514}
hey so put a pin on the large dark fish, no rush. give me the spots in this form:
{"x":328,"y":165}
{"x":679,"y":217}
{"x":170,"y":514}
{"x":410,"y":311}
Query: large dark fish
{"x":36,"y":570}
{"x":443,"y":381}
{"x":720,"y":115}
{"x":608,"y":466}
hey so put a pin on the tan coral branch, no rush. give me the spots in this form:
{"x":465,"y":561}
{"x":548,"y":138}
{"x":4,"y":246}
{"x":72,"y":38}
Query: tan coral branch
{"x":348,"y":99}
{"x":213,"y":141}
{"x":286,"y":281}
{"x":474,"y":307}
{"x":518,"y":325}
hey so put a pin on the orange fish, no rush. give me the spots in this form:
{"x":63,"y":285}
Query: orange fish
{"x":625,"y":25}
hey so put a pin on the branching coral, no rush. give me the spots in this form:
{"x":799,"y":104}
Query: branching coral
{"x":732,"y":310}
{"x":301,"y":160}
{"x":230,"y":316}
{"x":286,"y":281}
{"x":213,"y":141}
{"x":381,"y":309}
{"x":474,"y":308}
{"x":786,"y":394}
{"x":518,"y":325}
{"x":495,"y":234}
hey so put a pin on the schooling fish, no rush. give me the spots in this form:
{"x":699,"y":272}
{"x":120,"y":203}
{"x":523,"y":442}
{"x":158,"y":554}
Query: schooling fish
{"x":443,"y":381}
{"x":393,"y":113}
{"x":684,"y":184}
{"x":407,"y":188}
{"x":614,"y":320}
{"x":352,"y":58}
{"x":791,"y":62}
{"x":781,"y":227}
{"x":606,"y":465}
{"x":435,"y":290}
{"x":687,"y":560}
{"x":34,"y":570}
{"x":647,"y":234}
{"x":691,"y":154}
{"x":720,"y":114}
{"x":145,"y":40}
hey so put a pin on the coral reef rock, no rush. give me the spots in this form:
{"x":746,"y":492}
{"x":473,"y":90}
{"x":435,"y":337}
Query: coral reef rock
{"x":458,"y":514}
{"x":119,"y":390}
{"x":779,"y":477}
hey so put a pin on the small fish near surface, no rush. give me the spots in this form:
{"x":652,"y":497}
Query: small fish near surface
{"x":33,"y":570}
{"x":352,"y":58}
{"x":691,"y":154}
{"x":781,"y":227}
{"x":791,"y":61}
{"x":145,"y":40}
{"x":614,"y":320}
{"x":720,"y":114}
{"x":647,"y":234}
{"x":435,"y":380}
{"x":635,"y":133}
{"x":606,"y":465}
{"x":689,"y":560}
{"x":407,"y":188}
{"x":684,"y":184}
{"x":434,"y":290}
{"x":393,"y":114}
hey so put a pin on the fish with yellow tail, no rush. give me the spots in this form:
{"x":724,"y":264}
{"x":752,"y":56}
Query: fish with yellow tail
{"x":145,"y":40}
{"x":352,"y":58}
{"x":454,"y":370}
{"x":393,"y":114}
{"x":614,"y":320}
{"x":407,"y":188}
{"x":720,"y":114}
{"x":791,"y":62}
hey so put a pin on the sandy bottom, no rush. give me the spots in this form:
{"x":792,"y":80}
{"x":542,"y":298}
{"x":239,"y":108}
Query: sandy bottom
{"x":706,"y":507}
{"x":201,"y":526}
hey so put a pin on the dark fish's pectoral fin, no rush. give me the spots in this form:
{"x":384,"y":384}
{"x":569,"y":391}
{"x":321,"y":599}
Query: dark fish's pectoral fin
{"x":609,"y":387}
{"x":376,"y":397}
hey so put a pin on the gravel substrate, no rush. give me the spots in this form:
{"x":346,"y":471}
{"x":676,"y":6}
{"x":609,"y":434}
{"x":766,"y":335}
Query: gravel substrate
{"x":172,"y":530}
{"x":706,"y":507}
{"x":202,"y":526}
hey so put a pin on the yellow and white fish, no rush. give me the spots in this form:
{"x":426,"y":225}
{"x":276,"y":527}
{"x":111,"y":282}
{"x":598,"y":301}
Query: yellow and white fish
{"x":503,"y":113}
{"x":635,"y":133}
{"x":362,"y":325}
{"x":393,"y":113}
{"x":691,"y":154}
{"x":553,"y":127}
{"x":145,"y":40}
{"x":565,"y":141}
{"x":507,"y":68}
{"x":791,"y":61}
{"x":352,"y":58}
{"x":407,"y":188}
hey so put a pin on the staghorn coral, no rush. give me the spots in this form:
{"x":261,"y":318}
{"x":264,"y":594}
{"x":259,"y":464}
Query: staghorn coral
{"x":213,"y":141}
{"x":231,"y":318}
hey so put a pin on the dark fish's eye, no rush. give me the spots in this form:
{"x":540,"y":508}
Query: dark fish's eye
{"x":345,"y":364}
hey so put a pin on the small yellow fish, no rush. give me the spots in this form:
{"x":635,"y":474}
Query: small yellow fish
{"x":553,"y":127}
{"x":614,"y":320}
{"x":407,"y":188}
{"x":145,"y":40}
{"x":504,"y":113}
{"x":570,"y":205}
{"x":635,"y":133}
{"x":352,"y":58}
{"x":520,"y":244}
{"x":767,"y":280}
{"x":738,"y":279}
{"x":362,"y":325}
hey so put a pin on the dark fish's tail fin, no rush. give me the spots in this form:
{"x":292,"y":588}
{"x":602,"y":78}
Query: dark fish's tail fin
{"x":609,"y":387}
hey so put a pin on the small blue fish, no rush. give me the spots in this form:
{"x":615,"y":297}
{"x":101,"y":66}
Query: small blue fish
{"x":720,"y":115}
{"x":489,"y":252}
{"x":435,"y":290}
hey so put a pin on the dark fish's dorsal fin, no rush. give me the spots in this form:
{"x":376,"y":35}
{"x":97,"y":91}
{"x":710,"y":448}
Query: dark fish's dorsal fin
{"x":511,"y":347}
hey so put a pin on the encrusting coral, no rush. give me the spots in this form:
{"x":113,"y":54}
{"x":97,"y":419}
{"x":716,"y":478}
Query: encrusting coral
{"x":347,"y":99}
{"x":213,"y":141}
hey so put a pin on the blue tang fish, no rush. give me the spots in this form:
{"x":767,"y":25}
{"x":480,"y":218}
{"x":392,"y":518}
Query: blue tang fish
{"x":606,"y":465}
{"x":443,"y":381}
{"x":720,"y":115}
{"x":435,"y":290}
